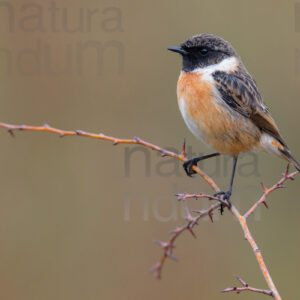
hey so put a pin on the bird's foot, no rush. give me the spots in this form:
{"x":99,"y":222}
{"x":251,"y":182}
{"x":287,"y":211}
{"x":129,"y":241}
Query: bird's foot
{"x":225,"y":196}
{"x":188,"y":166}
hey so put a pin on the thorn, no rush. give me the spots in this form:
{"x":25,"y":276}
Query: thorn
{"x":189,"y":217}
{"x":137,"y":139}
{"x":157,"y":269}
{"x":192,"y":221}
{"x":172,"y":257}
{"x":78,"y":132}
{"x":242,"y":281}
{"x":115,"y":143}
{"x":61,"y":135}
{"x":46,"y":125}
{"x":199,"y":212}
{"x":265,"y":204}
{"x":264,"y":187}
{"x":10,"y":131}
{"x":187,"y":212}
{"x":286,"y":173}
{"x":292,"y":177}
{"x":164,"y":154}
{"x":192,"y":232}
{"x":211,"y":216}
{"x":164,"y":245}
{"x":183,"y":152}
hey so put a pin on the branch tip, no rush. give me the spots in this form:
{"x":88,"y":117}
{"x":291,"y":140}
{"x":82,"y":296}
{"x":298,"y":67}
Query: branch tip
{"x":246,"y":287}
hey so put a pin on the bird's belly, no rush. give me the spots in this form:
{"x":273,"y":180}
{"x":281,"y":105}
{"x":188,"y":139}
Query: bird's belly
{"x":196,"y":126}
{"x":212,"y":120}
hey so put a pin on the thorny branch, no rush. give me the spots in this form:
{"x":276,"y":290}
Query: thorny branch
{"x":192,"y":221}
{"x":246,"y":287}
{"x":170,"y":245}
{"x":116,"y":141}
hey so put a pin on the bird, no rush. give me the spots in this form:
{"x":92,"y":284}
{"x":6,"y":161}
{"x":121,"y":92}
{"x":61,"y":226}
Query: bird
{"x":222,"y":105}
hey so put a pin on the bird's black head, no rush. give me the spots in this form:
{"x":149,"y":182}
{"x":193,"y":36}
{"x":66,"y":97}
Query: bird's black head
{"x":203,"y":50}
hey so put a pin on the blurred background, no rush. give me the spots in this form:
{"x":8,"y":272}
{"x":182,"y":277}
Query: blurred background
{"x":78,"y":217}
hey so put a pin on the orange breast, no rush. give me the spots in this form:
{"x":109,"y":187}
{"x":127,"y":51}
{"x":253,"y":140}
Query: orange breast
{"x":196,"y":93}
{"x":210,"y":119}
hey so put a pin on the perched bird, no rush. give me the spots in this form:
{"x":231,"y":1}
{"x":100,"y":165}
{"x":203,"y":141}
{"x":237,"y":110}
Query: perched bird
{"x":221,"y":104}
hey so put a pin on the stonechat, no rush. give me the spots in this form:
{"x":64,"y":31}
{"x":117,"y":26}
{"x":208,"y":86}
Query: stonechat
{"x":221,"y":104}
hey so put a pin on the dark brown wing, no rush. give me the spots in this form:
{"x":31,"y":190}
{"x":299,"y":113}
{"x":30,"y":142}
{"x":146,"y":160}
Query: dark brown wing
{"x":240,"y":92}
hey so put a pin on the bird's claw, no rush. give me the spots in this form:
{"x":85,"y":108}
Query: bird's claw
{"x":225,"y":196}
{"x":188,"y":167}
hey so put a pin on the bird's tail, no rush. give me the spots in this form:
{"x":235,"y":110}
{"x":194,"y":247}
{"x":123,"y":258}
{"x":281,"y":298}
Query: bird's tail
{"x":289,"y":157}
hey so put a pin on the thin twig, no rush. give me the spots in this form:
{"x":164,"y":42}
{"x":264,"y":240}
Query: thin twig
{"x":183,"y":197}
{"x":248,"y":288}
{"x":116,"y":141}
{"x":279,"y":185}
{"x":169,"y":246}
{"x":257,"y":252}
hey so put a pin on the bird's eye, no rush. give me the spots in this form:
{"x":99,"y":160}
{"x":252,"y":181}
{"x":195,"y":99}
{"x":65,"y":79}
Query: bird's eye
{"x":203,"y":51}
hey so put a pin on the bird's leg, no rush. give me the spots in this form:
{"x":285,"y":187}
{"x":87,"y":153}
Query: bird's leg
{"x":226,"y":195}
{"x":187,"y":165}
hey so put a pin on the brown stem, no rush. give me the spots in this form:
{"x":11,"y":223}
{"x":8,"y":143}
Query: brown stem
{"x":116,"y":141}
{"x":286,"y":176}
{"x":257,"y":252}
{"x":169,"y":246}
{"x":246,"y":287}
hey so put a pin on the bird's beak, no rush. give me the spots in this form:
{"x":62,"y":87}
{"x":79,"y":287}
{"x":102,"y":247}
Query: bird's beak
{"x":178,"y":50}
